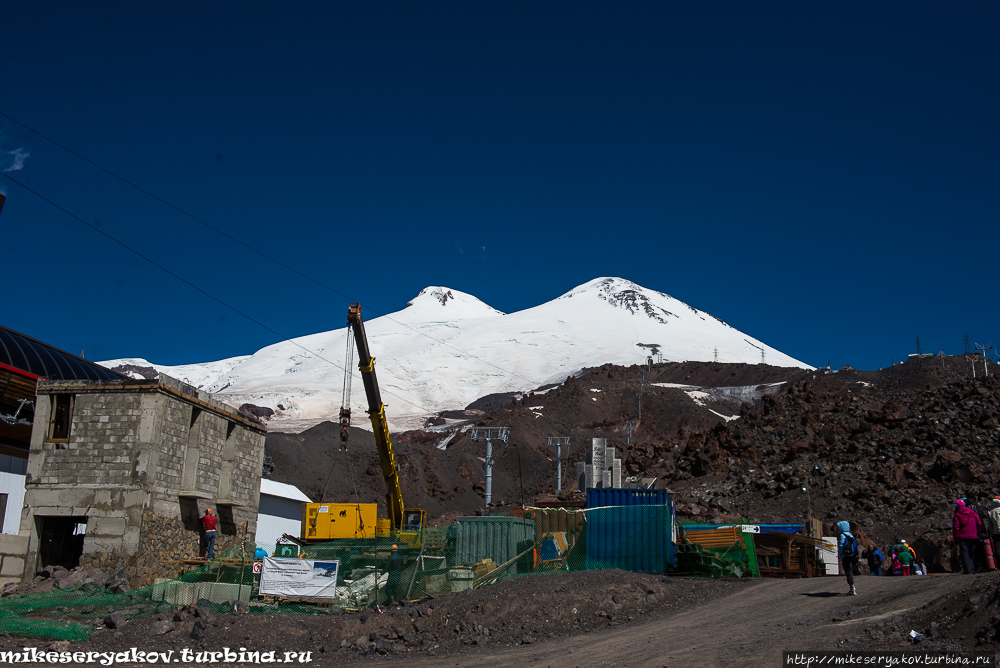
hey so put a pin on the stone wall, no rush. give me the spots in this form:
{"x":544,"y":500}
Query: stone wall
{"x":163,"y":540}
{"x":100,"y":449}
{"x":229,"y":457}
{"x":102,"y":440}
{"x":248,"y":461}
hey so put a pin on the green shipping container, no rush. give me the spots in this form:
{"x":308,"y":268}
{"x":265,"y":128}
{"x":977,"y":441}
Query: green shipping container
{"x":497,"y":538}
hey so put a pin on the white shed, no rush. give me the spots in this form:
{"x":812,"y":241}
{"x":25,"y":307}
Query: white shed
{"x":280,"y":512}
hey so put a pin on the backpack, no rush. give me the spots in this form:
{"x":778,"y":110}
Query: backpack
{"x":850,"y":550}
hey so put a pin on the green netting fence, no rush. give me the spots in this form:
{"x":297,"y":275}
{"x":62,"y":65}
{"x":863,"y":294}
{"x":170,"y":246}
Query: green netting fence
{"x":471,"y":553}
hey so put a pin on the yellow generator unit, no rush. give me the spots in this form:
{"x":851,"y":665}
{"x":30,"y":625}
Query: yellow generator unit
{"x":330,"y":521}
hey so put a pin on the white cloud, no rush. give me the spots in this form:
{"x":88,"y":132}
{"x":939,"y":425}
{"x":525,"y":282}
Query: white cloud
{"x":16,"y":160}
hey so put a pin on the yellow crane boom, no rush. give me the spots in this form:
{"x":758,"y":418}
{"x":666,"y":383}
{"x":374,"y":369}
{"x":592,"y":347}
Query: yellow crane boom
{"x":400,"y":518}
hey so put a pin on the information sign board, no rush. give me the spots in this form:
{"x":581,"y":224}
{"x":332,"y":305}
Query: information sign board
{"x":299,"y":577}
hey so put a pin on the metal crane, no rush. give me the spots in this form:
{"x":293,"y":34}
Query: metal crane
{"x":333,"y":521}
{"x":401,"y":519}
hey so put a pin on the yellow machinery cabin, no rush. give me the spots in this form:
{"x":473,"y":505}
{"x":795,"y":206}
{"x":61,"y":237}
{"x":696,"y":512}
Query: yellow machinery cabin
{"x":329,"y":521}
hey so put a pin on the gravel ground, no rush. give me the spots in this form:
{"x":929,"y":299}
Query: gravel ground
{"x":598,"y":618}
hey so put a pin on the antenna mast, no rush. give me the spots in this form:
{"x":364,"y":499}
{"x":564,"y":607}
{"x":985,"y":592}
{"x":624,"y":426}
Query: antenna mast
{"x":558,"y":442}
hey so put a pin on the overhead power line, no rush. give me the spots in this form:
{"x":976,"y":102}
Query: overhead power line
{"x":257,"y":250}
{"x":38,"y":331}
{"x":196,"y":287}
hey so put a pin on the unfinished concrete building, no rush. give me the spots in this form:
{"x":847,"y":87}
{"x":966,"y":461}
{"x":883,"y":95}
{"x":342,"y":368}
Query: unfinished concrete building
{"x":23,"y":361}
{"x":120,"y":471}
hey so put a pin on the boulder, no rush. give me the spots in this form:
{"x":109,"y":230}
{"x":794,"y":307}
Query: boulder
{"x":198,"y":630}
{"x":115,"y":620}
{"x":161,"y":627}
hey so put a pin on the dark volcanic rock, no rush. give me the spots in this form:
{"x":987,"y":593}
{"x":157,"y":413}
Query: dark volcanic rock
{"x":888,"y":449}
{"x":147,"y":372}
{"x":256,"y":413}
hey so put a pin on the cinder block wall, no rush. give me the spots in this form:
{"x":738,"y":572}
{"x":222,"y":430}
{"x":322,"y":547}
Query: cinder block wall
{"x":143,"y":461}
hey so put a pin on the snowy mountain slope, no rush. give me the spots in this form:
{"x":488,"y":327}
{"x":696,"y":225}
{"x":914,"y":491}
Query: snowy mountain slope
{"x":198,"y":375}
{"x":447,"y":348}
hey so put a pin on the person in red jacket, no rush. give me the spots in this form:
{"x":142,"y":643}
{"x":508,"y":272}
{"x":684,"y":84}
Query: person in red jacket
{"x":965,"y":527}
{"x":209,"y":521}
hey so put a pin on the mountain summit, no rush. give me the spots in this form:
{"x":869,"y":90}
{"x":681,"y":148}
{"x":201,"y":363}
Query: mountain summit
{"x":448,"y":303}
{"x":635,"y":299}
{"x":446,"y":349}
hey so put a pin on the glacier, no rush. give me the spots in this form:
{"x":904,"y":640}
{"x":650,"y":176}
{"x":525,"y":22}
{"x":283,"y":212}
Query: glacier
{"x":446,"y":349}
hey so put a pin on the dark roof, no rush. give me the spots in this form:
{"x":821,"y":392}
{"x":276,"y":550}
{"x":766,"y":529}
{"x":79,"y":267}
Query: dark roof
{"x":22,"y":353}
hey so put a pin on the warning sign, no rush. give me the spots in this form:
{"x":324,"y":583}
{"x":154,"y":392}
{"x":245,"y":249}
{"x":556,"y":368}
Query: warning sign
{"x":258,"y":567}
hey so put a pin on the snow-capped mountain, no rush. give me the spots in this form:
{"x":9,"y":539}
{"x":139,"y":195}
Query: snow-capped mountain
{"x":446,"y":349}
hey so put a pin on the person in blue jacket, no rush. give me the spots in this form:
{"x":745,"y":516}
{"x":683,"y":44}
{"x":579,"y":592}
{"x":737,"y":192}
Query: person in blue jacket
{"x":847,"y":552}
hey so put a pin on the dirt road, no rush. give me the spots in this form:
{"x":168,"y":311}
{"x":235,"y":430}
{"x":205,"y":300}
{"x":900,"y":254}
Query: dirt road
{"x":597,"y":618}
{"x":751,"y":627}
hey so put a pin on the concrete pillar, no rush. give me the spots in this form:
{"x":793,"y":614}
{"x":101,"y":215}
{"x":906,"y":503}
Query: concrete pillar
{"x":192,"y":453}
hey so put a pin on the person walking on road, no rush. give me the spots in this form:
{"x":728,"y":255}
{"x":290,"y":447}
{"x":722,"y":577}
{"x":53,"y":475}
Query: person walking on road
{"x":965,"y":526}
{"x":847,"y":551}
{"x":209,"y":522}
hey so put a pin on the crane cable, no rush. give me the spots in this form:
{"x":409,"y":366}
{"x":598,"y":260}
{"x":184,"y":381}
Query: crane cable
{"x":345,"y":409}
{"x":354,"y":484}
{"x":345,"y":401}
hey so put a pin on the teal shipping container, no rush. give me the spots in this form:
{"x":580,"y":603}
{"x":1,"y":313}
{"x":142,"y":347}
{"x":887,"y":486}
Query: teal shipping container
{"x":496,"y":538}
{"x":630,"y":529}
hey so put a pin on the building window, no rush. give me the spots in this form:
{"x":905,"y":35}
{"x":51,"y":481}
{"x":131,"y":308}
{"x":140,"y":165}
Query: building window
{"x":60,"y":417}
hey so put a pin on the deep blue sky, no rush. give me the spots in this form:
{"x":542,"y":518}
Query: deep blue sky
{"x":823,"y":177}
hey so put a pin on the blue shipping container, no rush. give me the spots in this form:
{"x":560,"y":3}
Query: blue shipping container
{"x":630,"y":529}
{"x":783,"y":528}
{"x":598,"y":498}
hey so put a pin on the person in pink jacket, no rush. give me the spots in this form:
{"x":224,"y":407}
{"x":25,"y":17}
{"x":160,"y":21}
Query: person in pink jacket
{"x":965,"y":530}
